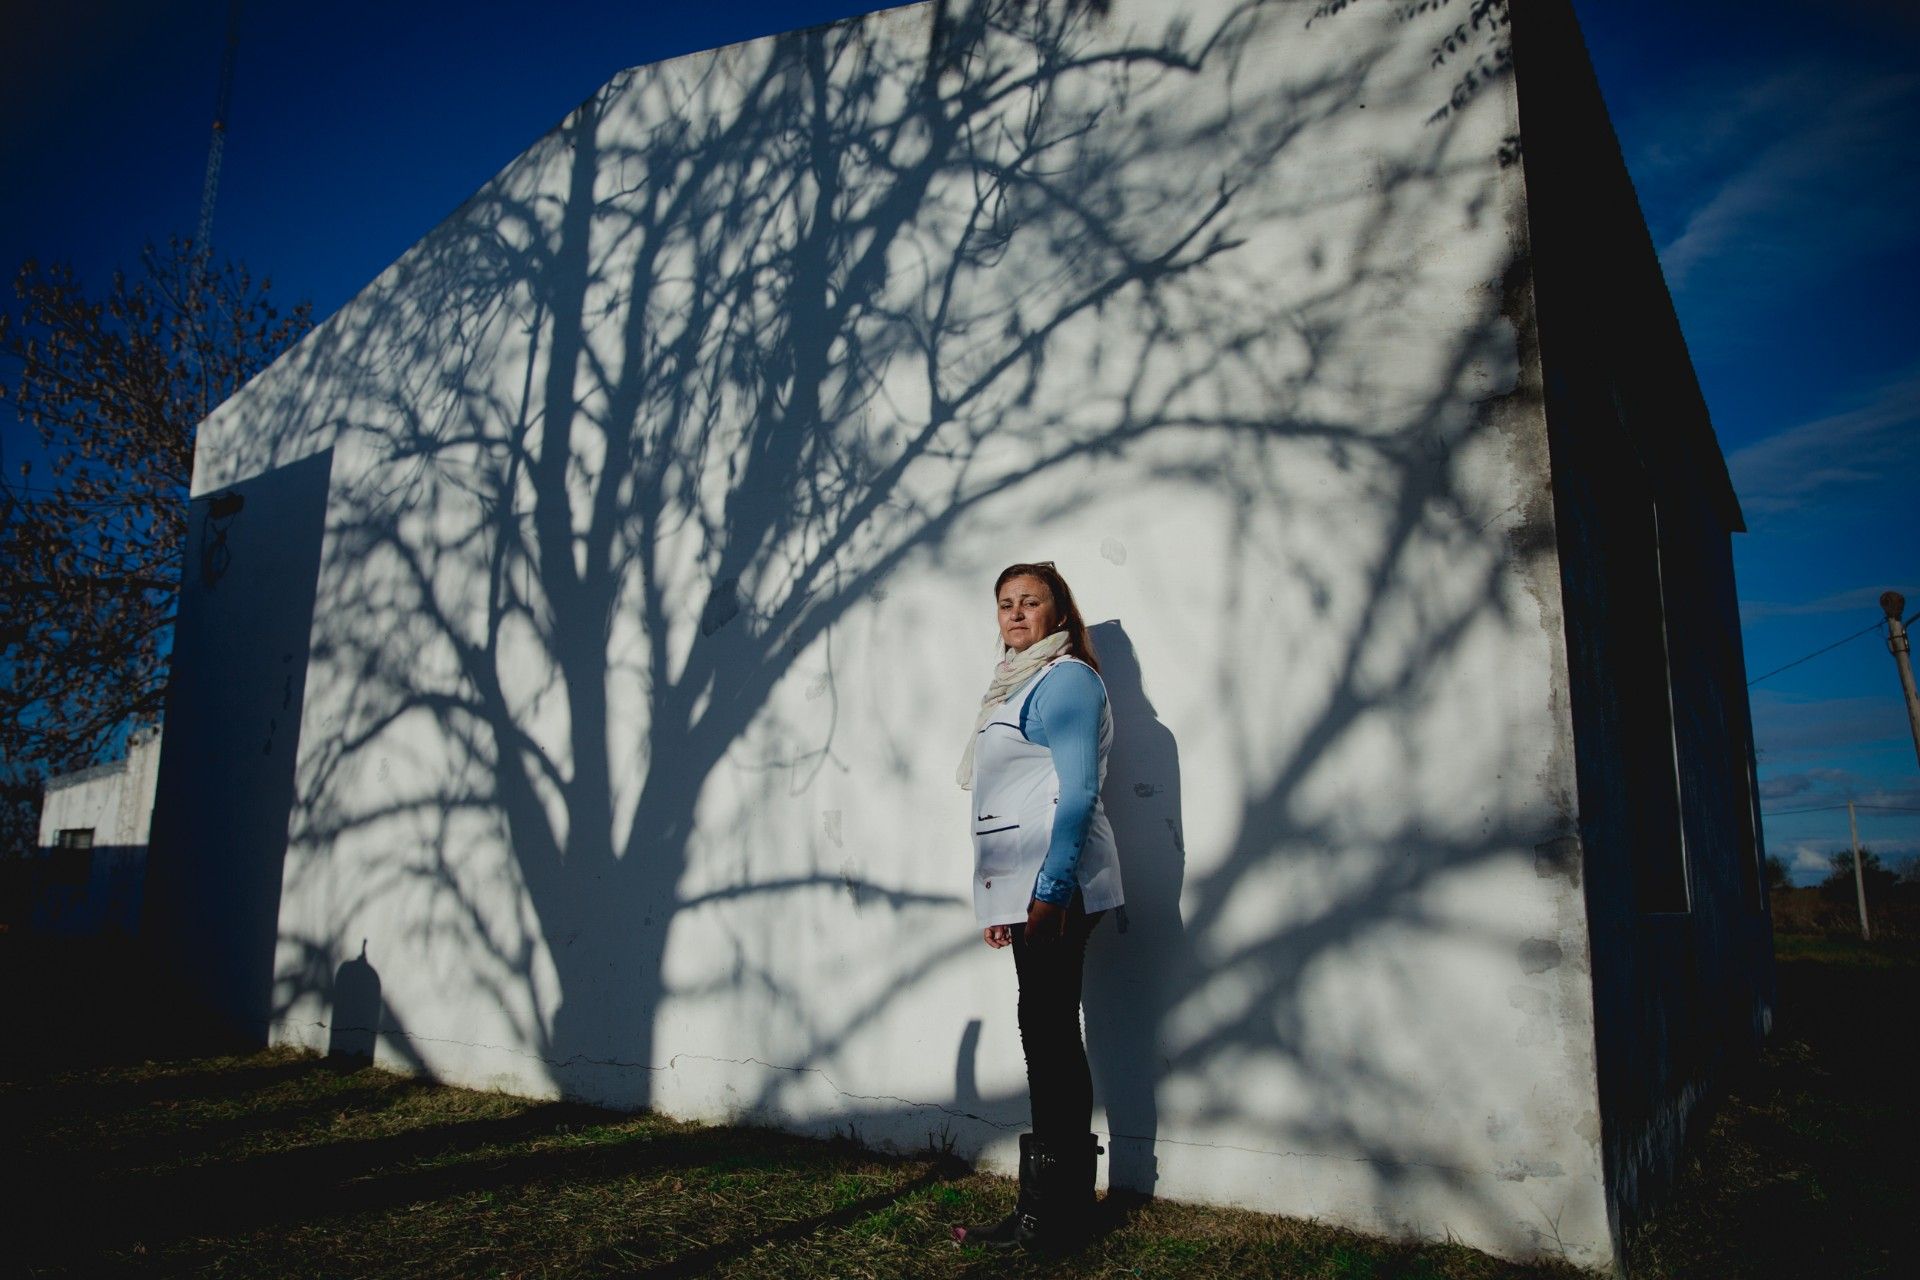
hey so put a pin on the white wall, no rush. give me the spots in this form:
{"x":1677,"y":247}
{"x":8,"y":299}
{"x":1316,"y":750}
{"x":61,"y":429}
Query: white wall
{"x":115,"y":802}
{"x":669,"y":480}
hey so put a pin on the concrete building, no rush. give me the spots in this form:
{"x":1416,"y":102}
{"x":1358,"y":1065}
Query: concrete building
{"x":582,"y":627}
{"x":92,"y":866}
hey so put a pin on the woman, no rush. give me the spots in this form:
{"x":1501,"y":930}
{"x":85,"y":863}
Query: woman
{"x":1045,"y":871}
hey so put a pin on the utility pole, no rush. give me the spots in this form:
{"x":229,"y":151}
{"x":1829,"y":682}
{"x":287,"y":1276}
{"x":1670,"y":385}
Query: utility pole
{"x":1893,"y":602}
{"x":1859,"y":878}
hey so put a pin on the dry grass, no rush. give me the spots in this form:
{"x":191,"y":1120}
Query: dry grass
{"x":279,"y":1164}
{"x":1807,"y":1167}
{"x":1801,"y":916}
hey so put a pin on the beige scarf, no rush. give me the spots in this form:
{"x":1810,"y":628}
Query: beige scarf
{"x":1013,"y":670}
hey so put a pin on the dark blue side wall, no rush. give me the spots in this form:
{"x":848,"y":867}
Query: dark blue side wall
{"x":1680,"y":937}
{"x":240,"y":649}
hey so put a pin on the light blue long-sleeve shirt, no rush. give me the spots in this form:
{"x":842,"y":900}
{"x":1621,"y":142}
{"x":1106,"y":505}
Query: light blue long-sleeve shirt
{"x":1063,"y":715}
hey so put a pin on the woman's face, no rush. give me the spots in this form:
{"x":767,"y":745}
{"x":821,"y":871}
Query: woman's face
{"x":1027,"y":611}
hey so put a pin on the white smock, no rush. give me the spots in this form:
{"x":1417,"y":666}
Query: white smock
{"x":1015,"y":791}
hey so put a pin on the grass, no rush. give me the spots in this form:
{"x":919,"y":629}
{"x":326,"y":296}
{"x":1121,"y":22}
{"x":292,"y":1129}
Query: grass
{"x":1807,"y":1167}
{"x":278,"y":1163}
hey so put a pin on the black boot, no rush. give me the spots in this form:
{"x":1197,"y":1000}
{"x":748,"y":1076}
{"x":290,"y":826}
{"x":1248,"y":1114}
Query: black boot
{"x":1004,"y":1234}
{"x":1057,"y":1217}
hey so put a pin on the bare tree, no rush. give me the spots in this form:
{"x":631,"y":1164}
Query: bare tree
{"x":115,"y":386}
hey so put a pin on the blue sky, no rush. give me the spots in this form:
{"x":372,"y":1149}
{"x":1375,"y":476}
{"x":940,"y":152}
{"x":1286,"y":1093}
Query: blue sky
{"x":1773,"y":145}
{"x":1776,"y":151}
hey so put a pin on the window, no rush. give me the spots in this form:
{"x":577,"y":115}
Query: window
{"x":1641,"y":676}
{"x":1749,"y":814}
{"x":1622,"y":564}
{"x":72,"y":855}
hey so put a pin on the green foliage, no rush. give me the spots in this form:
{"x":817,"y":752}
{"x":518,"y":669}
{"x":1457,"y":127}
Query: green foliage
{"x":19,"y":811}
{"x":1839,"y":883}
{"x":1777,"y":877}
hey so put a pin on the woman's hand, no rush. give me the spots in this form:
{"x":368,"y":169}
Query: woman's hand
{"x":997,"y":935}
{"x":1045,"y":921}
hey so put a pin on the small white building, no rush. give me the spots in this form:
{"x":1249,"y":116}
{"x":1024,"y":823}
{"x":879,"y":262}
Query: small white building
{"x":581,"y":629}
{"x":92,"y":862}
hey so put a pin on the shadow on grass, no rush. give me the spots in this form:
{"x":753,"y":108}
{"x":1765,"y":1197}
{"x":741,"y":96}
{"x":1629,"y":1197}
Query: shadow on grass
{"x":135,"y":1137}
{"x":1807,"y":1167}
{"x":317,"y":1183}
{"x":220,"y":1199}
{"x":1117,"y":1211}
{"x":554,"y":1186}
{"x":700,"y":1262}
{"x":210,"y":1080}
{"x":1805,"y":1171}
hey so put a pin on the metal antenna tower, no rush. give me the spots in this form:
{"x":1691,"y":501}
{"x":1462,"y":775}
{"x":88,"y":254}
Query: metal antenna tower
{"x":203,"y":238}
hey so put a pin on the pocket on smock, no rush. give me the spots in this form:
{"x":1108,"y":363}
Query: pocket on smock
{"x":996,"y":849}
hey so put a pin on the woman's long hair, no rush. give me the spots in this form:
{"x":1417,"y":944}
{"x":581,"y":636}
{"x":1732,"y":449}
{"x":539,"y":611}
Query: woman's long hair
{"x":1078,"y":642}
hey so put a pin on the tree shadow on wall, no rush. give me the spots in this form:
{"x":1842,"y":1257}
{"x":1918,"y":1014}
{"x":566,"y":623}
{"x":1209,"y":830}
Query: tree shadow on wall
{"x":689,"y":382}
{"x":634,"y":442}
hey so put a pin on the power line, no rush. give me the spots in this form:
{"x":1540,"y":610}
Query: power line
{"x":1872,"y":626}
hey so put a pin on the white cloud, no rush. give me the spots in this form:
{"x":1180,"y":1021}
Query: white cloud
{"x":1809,"y":861}
{"x":1808,"y":164}
{"x":1863,"y":445}
{"x":1864,"y":601}
{"x":1780,"y":788}
{"x":1716,"y":116}
{"x":1784,"y":724}
{"x":1807,"y":856}
{"x":1895,"y":799}
{"x":1826,"y":782}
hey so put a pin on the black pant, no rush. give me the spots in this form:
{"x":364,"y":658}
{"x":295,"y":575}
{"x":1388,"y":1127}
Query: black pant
{"x":1059,"y":1087}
